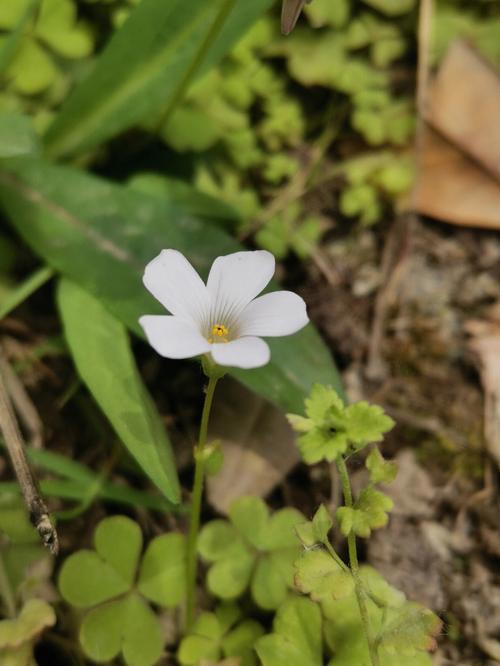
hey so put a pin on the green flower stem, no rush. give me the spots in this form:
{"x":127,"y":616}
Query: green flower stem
{"x":353,"y":560}
{"x":194,"y":515}
{"x":6,"y":590}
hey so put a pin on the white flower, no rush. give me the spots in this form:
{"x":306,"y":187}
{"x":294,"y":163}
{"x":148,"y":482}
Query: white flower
{"x":222,"y":318}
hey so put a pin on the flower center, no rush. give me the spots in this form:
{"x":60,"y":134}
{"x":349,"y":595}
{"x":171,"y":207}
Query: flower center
{"x":219,"y":333}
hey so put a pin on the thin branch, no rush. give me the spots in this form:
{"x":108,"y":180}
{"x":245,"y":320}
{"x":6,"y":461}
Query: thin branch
{"x":9,"y":427}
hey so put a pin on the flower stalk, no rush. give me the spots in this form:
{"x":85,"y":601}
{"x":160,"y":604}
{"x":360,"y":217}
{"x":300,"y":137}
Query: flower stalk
{"x":196,"y":497}
{"x":354,"y":564}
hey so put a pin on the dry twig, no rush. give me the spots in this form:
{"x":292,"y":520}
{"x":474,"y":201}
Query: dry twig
{"x":9,"y":427}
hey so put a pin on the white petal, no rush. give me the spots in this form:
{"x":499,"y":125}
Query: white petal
{"x":242,"y":353}
{"x":235,"y":280}
{"x":278,"y":313}
{"x":173,"y":337}
{"x":174,"y":282}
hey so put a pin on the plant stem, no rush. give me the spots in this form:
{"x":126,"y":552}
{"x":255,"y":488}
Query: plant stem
{"x":194,"y":515}
{"x":353,"y":560}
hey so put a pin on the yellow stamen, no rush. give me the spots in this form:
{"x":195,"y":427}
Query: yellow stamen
{"x":220,"y":331}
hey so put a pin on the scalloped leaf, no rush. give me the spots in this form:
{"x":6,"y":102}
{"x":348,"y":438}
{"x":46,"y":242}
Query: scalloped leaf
{"x":369,"y":512}
{"x":318,"y":575}
{"x":296,"y":639}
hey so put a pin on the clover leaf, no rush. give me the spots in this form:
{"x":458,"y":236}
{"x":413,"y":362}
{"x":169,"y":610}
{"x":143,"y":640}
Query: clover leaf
{"x":380,"y":470}
{"x":221,"y":634}
{"x":369,"y":512}
{"x":17,"y":636}
{"x":297,"y":637}
{"x":110,"y":584}
{"x":331,"y":427}
{"x":252,"y":549}
{"x":318,"y":575}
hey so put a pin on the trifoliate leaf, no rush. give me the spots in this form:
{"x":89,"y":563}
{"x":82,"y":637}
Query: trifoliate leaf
{"x":366,"y":423}
{"x":410,"y":629}
{"x":90,"y":577}
{"x":251,"y":549}
{"x":215,"y":635}
{"x":317,"y":574}
{"x":380,"y":470}
{"x":162,"y":574}
{"x":127,"y":625}
{"x":17,"y":135}
{"x":369,"y":512}
{"x":296,"y":639}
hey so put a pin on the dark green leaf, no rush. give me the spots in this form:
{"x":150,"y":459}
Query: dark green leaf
{"x":145,"y":66}
{"x":102,"y":235}
{"x":100,"y":348}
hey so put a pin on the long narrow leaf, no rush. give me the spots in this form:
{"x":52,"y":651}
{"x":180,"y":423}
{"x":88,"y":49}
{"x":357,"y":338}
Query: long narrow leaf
{"x":100,"y":348}
{"x":24,"y":290}
{"x":143,"y":68}
{"x":102,"y":235}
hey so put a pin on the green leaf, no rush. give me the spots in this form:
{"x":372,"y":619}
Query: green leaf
{"x":162,"y":576}
{"x":366,"y":423}
{"x":323,"y":13}
{"x":380,"y":470}
{"x":369,"y":512}
{"x":344,"y":630}
{"x":102,"y":235}
{"x":57,"y":26}
{"x":90,"y":577}
{"x":35,"y":615}
{"x":391,"y":7}
{"x":128,"y":84}
{"x":24,"y":290}
{"x":31,"y":70}
{"x":411,"y":629}
{"x":253,"y":549}
{"x":100,"y":348}
{"x":297,"y":638}
{"x":17,"y":136}
{"x":317,"y":574}
{"x":322,"y":523}
{"x":324,"y":405}
{"x":127,"y":625}
{"x":331,"y":426}
{"x":213,"y":636}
